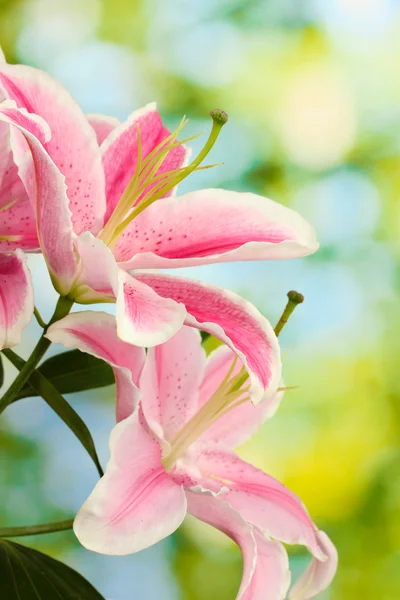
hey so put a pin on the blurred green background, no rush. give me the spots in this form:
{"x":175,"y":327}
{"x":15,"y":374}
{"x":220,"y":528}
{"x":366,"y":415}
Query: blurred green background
{"x":313,"y":94}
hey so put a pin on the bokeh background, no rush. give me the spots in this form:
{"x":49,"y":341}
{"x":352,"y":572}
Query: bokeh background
{"x":313,"y":94}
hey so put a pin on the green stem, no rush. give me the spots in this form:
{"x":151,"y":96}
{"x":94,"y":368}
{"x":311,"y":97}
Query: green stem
{"x":294,"y":299}
{"x":36,"y":529}
{"x":39,"y":318}
{"x":63,"y":307}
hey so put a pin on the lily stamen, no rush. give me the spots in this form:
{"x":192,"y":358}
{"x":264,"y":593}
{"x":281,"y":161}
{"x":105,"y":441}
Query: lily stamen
{"x":145,"y":177}
{"x":222,"y":400}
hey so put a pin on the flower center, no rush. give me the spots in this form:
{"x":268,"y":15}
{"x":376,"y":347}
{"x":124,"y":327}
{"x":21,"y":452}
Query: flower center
{"x":145,"y":186}
{"x":228,"y":395}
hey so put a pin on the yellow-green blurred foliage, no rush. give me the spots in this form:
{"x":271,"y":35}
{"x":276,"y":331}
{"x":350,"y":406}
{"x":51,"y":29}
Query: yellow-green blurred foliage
{"x":313,"y":93}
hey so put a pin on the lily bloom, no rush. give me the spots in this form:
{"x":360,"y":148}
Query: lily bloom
{"x":172,"y":454}
{"x":104,"y":213}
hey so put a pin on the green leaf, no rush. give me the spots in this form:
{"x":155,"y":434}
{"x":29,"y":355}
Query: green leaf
{"x":26,"y":574}
{"x":44,"y":388}
{"x":72,"y":371}
{"x":1,"y":372}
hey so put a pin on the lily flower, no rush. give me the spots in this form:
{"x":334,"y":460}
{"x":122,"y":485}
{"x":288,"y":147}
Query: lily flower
{"x":172,"y":454}
{"x":105,"y":214}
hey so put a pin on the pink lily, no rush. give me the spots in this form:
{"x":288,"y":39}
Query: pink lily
{"x":17,"y":230}
{"x":172,"y":453}
{"x":98,"y":218}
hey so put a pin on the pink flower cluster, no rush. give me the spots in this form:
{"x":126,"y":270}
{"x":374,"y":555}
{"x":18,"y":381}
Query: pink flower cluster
{"x":97,"y":198}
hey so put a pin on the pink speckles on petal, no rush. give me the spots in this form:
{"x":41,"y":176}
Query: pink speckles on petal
{"x":16,"y":213}
{"x":244,"y":227}
{"x":170,"y":381}
{"x":120,"y":151}
{"x":232,"y":319}
{"x":16,"y":298}
{"x":46,"y":189}
{"x":73,"y":146}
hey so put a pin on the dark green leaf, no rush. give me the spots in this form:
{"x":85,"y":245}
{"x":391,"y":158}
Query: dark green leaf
{"x":44,"y":388}
{"x":26,"y":574}
{"x":73,"y":371}
{"x":1,"y":371}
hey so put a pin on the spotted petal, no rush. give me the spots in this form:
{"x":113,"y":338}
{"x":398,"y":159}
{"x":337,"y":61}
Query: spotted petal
{"x":73,"y":146}
{"x":120,"y":151}
{"x":170,"y":382}
{"x":233,"y":320}
{"x":211,"y":226}
{"x":46,"y":188}
{"x":16,"y":298}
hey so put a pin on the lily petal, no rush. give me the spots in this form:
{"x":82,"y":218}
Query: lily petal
{"x":96,"y":334}
{"x":98,"y":271}
{"x":16,"y":297}
{"x":261,"y":499}
{"x":120,"y":151}
{"x":73,"y":146}
{"x":233,"y":320}
{"x":244,"y":227}
{"x":240,"y":423}
{"x":17,"y":224}
{"x":265,"y":563}
{"x":102,"y":125}
{"x":318,"y":574}
{"x":143,"y":317}
{"x":170,"y":382}
{"x":47,"y":190}
{"x":136,"y":503}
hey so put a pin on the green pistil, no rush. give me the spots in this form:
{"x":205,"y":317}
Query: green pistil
{"x":294,"y":298}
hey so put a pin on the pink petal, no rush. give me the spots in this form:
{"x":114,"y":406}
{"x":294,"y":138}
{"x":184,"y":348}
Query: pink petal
{"x":233,"y":320}
{"x":144,"y":317}
{"x":170,"y":381}
{"x":17,"y":216}
{"x":211,"y":226}
{"x":240,"y":423}
{"x":46,"y":188}
{"x":16,"y":298}
{"x":103,"y":126}
{"x":265,"y":565}
{"x":271,"y":579}
{"x":261,"y":499}
{"x":135,"y":504}
{"x":98,"y":271}
{"x":120,"y":151}
{"x":73,"y":146}
{"x":96,"y":334}
{"x":318,"y":574}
